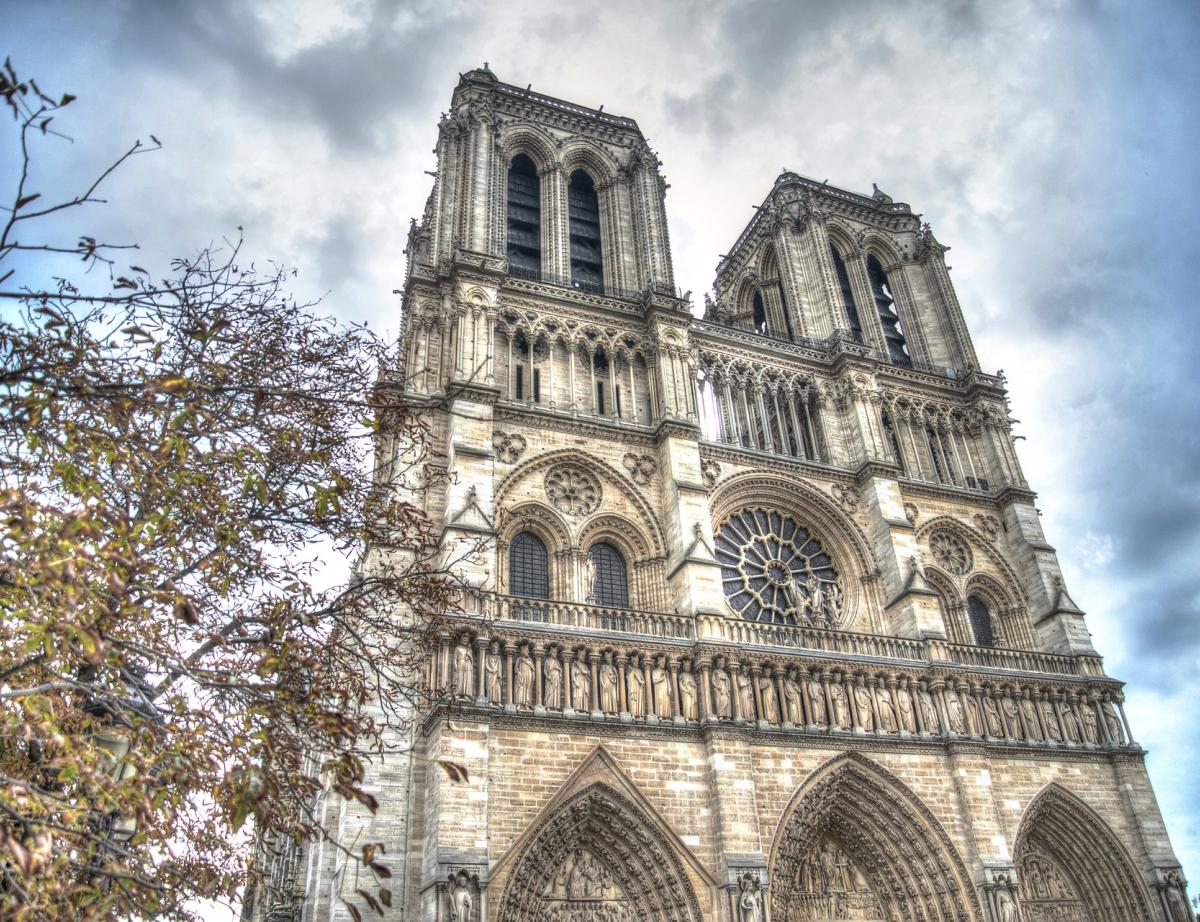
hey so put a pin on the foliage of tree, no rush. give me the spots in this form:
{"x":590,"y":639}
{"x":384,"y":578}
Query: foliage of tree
{"x":179,"y":456}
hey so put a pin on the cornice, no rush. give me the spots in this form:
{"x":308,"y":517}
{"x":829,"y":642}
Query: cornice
{"x":558,"y":421}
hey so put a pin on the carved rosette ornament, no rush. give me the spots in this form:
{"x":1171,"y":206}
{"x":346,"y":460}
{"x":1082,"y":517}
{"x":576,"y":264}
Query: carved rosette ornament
{"x":573,"y":490}
{"x":912,"y":513}
{"x":846,"y":497}
{"x":509,"y":446}
{"x":641,"y":468}
{"x":989,"y":525}
{"x":950,"y":552}
{"x":710,"y":473}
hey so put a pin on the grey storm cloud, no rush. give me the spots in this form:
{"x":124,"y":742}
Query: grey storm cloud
{"x":1053,"y":146}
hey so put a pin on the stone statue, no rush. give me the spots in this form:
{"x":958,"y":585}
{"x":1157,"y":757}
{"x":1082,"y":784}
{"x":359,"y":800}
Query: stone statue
{"x":766,"y":694}
{"x":581,"y":684}
{"x":955,"y":712}
{"x":749,"y":904}
{"x":841,"y":707}
{"x":637,"y":686}
{"x":1012,"y":720}
{"x":816,"y":596}
{"x":833,"y":603}
{"x":523,"y":679}
{"x":791,"y":699}
{"x":929,"y":712}
{"x":1050,"y":717}
{"x":552,"y":670}
{"x":1090,"y":729}
{"x":464,"y":670}
{"x":687,"y":695}
{"x":816,"y":702}
{"x":608,"y":685}
{"x":1069,"y":721}
{"x":745,"y":693}
{"x":720,"y":686}
{"x":661,"y":680}
{"x":1004,"y":903}
{"x":971,"y":713}
{"x":589,"y":585}
{"x":493,"y":685}
{"x":1112,"y":720}
{"x":908,"y":719}
{"x":992,"y":713}
{"x":461,"y":901}
{"x":1030,"y":719}
{"x":887,"y":713}
{"x":866,"y":718}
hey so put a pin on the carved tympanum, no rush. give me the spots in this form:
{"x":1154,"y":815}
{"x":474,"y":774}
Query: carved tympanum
{"x":832,"y":886}
{"x":573,"y":490}
{"x":1047,"y":893}
{"x":583,"y":889}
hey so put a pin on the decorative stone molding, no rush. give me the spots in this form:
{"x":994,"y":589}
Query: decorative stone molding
{"x":950,"y":552}
{"x":989,"y":525}
{"x":710,"y":473}
{"x":846,"y":497}
{"x":641,"y":468}
{"x":573,"y":490}
{"x":912,"y":513}
{"x":509,"y":446}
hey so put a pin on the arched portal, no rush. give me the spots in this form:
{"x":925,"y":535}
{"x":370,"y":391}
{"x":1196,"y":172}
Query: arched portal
{"x":856,"y":843}
{"x":598,"y":855}
{"x":1071,"y":866}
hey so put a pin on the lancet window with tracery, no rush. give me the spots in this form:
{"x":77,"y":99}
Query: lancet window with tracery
{"x":524,"y":240}
{"x":774,"y":570}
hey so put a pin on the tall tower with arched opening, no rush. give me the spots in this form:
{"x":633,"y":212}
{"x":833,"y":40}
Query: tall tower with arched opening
{"x":758,"y":620}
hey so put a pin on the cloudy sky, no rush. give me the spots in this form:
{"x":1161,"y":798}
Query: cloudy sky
{"x":1053,"y":146}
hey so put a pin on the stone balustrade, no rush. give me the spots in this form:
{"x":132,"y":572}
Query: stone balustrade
{"x":672,"y":681}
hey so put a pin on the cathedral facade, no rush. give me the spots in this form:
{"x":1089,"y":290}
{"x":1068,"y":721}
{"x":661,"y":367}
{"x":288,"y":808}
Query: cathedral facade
{"x":759,"y":621}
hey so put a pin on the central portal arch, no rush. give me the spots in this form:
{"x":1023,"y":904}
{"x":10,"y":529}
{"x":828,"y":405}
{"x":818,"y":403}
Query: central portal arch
{"x":856,"y":843}
{"x":598,"y":853}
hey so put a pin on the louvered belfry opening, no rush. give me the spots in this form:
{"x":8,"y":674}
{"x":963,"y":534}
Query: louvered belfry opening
{"x":760,"y":315}
{"x":583,"y":209}
{"x":885,"y":304}
{"x":524,"y":219}
{"x":839,"y":266}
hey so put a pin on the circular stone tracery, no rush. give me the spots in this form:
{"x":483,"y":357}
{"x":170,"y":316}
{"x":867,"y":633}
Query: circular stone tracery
{"x":572,"y":490}
{"x":773,"y":570}
{"x":950,"y":552}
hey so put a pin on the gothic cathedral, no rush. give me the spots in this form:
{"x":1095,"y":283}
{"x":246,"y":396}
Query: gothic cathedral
{"x":758,"y":619}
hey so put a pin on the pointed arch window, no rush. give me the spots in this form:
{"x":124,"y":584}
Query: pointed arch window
{"x":885,"y":305}
{"x":839,"y":266}
{"x":610,"y":583}
{"x":981,"y":622}
{"x":528,"y":570}
{"x":760,"y":315}
{"x":583,"y":213}
{"x":524,"y":246}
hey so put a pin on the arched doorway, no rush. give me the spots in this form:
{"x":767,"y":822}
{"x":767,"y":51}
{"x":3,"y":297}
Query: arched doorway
{"x":1071,"y":866}
{"x":856,"y":843}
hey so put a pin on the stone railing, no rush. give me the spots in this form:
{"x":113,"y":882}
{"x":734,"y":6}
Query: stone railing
{"x":574,"y":617}
{"x":572,"y":674}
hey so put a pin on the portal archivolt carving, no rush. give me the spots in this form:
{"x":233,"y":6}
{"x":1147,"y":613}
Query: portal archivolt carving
{"x":856,"y":843}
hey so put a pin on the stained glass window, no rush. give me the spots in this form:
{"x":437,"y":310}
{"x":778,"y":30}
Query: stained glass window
{"x":610,"y":586}
{"x":528,"y":575}
{"x":981,"y":622}
{"x":773,"y":570}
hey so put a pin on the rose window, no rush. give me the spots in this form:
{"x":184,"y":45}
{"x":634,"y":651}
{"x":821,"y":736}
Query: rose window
{"x":572,"y":490}
{"x":950,"y":552}
{"x":773,"y":570}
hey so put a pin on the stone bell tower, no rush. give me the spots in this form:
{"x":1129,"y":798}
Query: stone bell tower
{"x":759,"y":620}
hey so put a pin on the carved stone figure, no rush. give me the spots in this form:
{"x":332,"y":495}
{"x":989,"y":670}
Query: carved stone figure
{"x":745,"y":693}
{"x":523,"y":680}
{"x":661,"y":680}
{"x":992,"y":714}
{"x":493,"y":685}
{"x":687,"y":695}
{"x":721,"y":698}
{"x":637,"y":687}
{"x":841,"y":707}
{"x":1090,"y":729}
{"x":908,"y":719}
{"x":464,"y":670}
{"x":866,"y":717}
{"x":766,"y":694}
{"x":928,"y":712}
{"x":887,"y":713}
{"x":1070,"y":722}
{"x":791,"y":699}
{"x":1112,"y":720}
{"x":955,"y":712}
{"x":1007,"y":908}
{"x":971,"y":714}
{"x":461,"y":897}
{"x":1031,"y":721}
{"x":581,"y":684}
{"x":1050,"y":718}
{"x":552,"y":687}
{"x":608,"y":685}
{"x":1012,"y":718}
{"x":816,"y":702}
{"x":833,"y":603}
{"x":749,"y":900}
